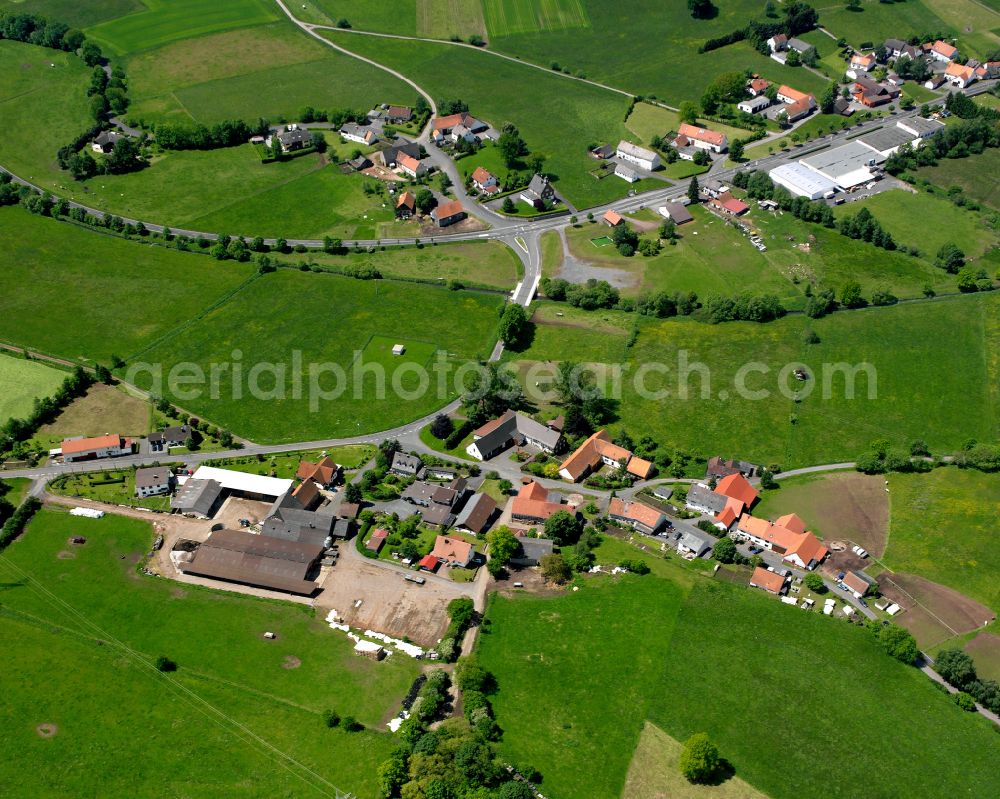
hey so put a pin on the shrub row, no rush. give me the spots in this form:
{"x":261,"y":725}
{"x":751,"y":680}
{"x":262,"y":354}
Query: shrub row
{"x":15,"y":525}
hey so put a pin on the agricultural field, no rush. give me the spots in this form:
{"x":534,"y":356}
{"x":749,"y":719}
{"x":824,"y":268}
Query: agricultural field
{"x":509,"y":17}
{"x":623,"y":46}
{"x":353,"y":324}
{"x":978,"y":177}
{"x":906,"y":215}
{"x":500,"y":91}
{"x":381,"y":16}
{"x":847,"y":506}
{"x":985,"y":650}
{"x":166,"y":21}
{"x":442,"y":19}
{"x":934,"y":377}
{"x":266,"y":71}
{"x":115,"y":277}
{"x":73,"y":12}
{"x":878,"y":22}
{"x":22,"y":382}
{"x":248,"y":708}
{"x":102,"y":410}
{"x":668,"y":635}
{"x":942,"y":527}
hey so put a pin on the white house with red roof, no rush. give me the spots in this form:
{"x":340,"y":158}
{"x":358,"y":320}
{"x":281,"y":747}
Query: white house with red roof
{"x":82,"y":449}
{"x":485,"y":181}
{"x":637,"y":515}
{"x":702,"y":138}
{"x":786,"y":537}
{"x":959,"y":75}
{"x":942,"y":51}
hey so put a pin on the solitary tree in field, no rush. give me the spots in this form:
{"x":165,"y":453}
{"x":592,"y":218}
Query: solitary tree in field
{"x":514,"y":324}
{"x":700,"y":761}
{"x":442,"y":426}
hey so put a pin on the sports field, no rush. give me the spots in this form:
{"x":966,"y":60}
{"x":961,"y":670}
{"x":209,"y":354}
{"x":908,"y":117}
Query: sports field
{"x":242,"y":713}
{"x":269,"y":70}
{"x":22,"y":382}
{"x":500,"y":91}
{"x":167,"y":21}
{"x":329,"y":321}
{"x":934,"y":373}
{"x":672,"y":638}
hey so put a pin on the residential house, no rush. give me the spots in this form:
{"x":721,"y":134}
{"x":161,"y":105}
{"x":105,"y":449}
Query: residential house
{"x":857,"y":583}
{"x":293,"y":137}
{"x":988,"y":71}
{"x":409,"y":165}
{"x":676,"y":213}
{"x":894,"y":48}
{"x":406,"y":205}
{"x":625,"y":172}
{"x":398,"y":114}
{"x":702,"y":138}
{"x":800,"y":548}
{"x":778,"y":42}
{"x":255,"y":560}
{"x":959,"y":75}
{"x":175,"y":436}
{"x":800,"y":109}
{"x":861,"y":63}
{"x":512,"y":429}
{"x":105,"y":141}
{"x":532,"y":505}
{"x":612,"y":218}
{"x":871,"y":94}
{"x":736,"y":486}
{"x":718,"y":468}
{"x":755,"y":104}
{"x":389,"y":156}
{"x":448,"y":213}
{"x":325,"y":473}
{"x":788,"y":95}
{"x":530,"y":551}
{"x":637,"y":515}
{"x":457,"y":126}
{"x":694,"y":544}
{"x":598,"y":451}
{"x":151,"y":482}
{"x":83,"y":449}
{"x":769,"y":581}
{"x":477,"y":514}
{"x":729,"y":205}
{"x":427,"y":494}
{"x":453,"y":552}
{"x":405,"y":465}
{"x":703,"y":499}
{"x":361,"y":134}
{"x":714,"y":188}
{"x":485,"y":181}
{"x":639,"y":156}
{"x":439,"y":473}
{"x":942,"y":51}
{"x":757,"y":85}
{"x":538,"y":192}
{"x":843,"y":106}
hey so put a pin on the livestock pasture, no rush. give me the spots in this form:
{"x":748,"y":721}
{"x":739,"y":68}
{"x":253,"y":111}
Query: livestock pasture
{"x":230,"y":710}
{"x":668,"y":635}
{"x":73,"y":12}
{"x":23,"y":381}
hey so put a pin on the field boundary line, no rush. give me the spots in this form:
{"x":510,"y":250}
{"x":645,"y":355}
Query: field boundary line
{"x":923,"y":607}
{"x":236,"y":728}
{"x":223,"y":300}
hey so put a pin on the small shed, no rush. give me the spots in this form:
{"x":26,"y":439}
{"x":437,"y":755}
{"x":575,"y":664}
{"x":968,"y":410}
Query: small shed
{"x":429,"y":563}
{"x":398,"y":349}
{"x":369,"y":649}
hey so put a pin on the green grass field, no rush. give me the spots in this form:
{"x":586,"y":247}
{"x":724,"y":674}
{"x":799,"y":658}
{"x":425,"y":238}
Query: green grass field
{"x":269,"y":70}
{"x":442,"y":19}
{"x":500,"y":91}
{"x":139,"y":292}
{"x":101,"y":410}
{"x":970,"y":21}
{"x":927,"y":222}
{"x":22,"y":382}
{"x":508,"y":17}
{"x":165,"y":22}
{"x":942,"y":527}
{"x":115,"y":487}
{"x":978,"y":177}
{"x":383,"y":16}
{"x":819,"y":125}
{"x":934,"y":364}
{"x":328,"y":319}
{"x":73,"y":13}
{"x":14,"y":489}
{"x":623,"y":46}
{"x":285,"y":464}
{"x":566,"y":659}
{"x":231,"y":700}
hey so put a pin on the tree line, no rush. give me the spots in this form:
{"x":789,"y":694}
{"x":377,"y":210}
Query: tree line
{"x":15,"y":431}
